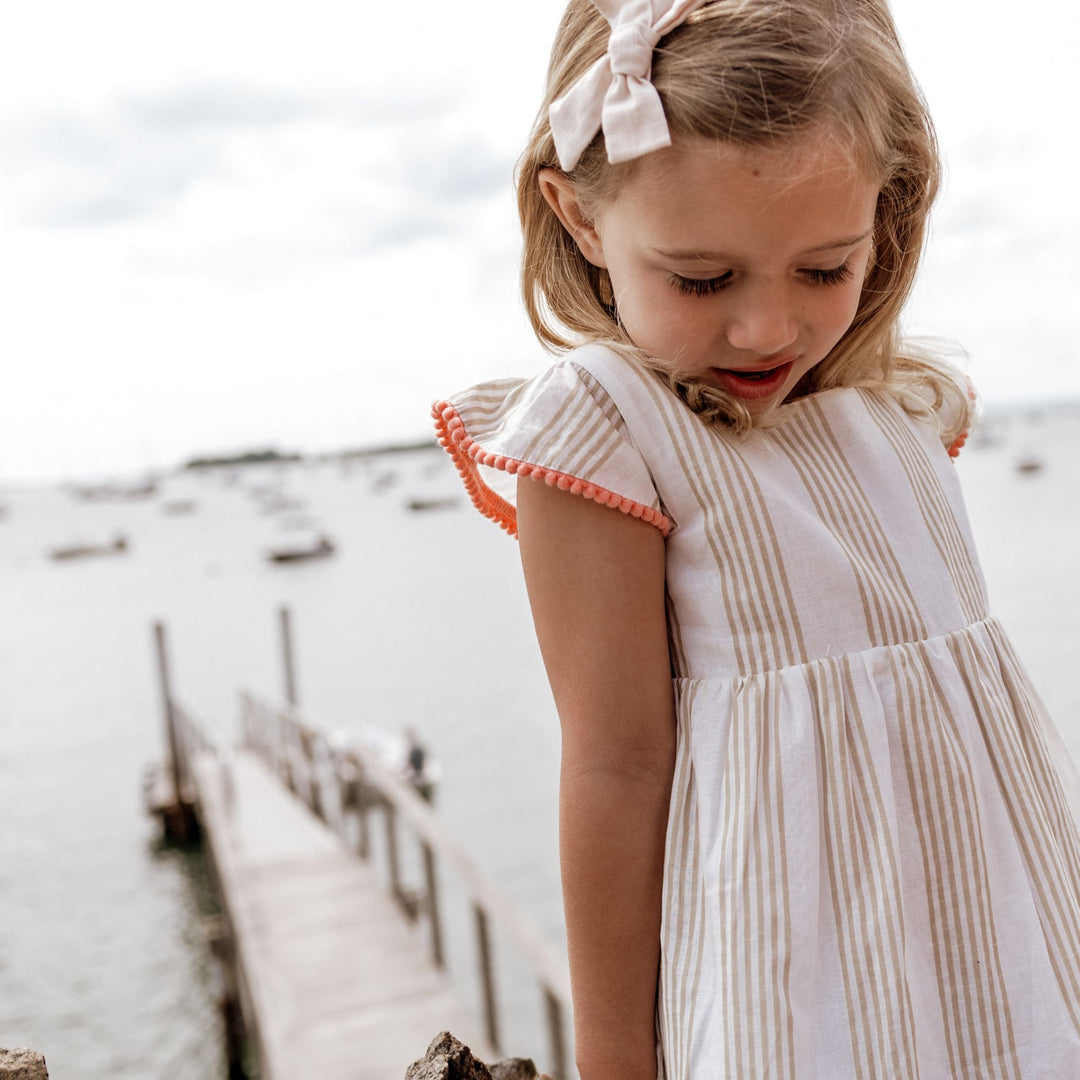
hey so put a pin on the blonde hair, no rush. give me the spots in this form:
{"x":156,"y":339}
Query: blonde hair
{"x":757,"y":73}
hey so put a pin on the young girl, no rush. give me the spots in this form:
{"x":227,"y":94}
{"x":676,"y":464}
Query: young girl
{"x":812,"y":824}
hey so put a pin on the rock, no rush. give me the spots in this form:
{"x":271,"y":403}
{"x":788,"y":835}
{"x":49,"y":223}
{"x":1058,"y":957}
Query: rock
{"x":22,"y":1064}
{"x":449,"y":1059}
{"x":516,"y":1069}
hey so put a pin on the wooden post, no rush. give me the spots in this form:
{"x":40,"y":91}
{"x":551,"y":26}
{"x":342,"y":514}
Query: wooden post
{"x":315,"y":777}
{"x":556,"y":1040}
{"x":306,"y":738}
{"x":177,"y":815}
{"x":363,"y":804}
{"x":487,"y":976}
{"x":250,"y":737}
{"x":223,"y":947}
{"x":287,"y":655}
{"x":285,"y":747}
{"x":432,"y":886}
{"x":390,"y":816}
{"x":167,"y":706}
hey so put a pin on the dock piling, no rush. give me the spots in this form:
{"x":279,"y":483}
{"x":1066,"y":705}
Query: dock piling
{"x":487,"y":975}
{"x":174,"y":805}
{"x":432,"y":886}
{"x":223,"y":948}
{"x":289,"y":668}
{"x":556,"y":1035}
{"x":363,"y":804}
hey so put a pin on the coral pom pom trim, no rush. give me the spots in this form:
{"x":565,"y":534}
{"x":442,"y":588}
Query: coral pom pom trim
{"x":954,"y":450}
{"x":469,"y":455}
{"x":958,"y":443}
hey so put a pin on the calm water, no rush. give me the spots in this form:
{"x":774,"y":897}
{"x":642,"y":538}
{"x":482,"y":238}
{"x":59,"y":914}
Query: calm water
{"x":420,"y":620}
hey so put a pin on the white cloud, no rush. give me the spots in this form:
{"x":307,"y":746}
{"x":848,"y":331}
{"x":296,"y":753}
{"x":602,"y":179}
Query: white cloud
{"x":228,"y":222}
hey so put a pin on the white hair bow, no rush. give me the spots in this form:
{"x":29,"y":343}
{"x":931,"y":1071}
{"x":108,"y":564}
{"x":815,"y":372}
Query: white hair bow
{"x":616,"y":93}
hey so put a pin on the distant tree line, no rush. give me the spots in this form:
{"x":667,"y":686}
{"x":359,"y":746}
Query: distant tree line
{"x":249,"y":457}
{"x":271,"y":456}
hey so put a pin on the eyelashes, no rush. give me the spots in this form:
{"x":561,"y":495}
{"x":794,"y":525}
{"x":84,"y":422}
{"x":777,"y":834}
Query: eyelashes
{"x":836,"y":275}
{"x":700,"y":286}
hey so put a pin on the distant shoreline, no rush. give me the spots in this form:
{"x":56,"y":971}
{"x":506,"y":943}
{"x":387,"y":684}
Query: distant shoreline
{"x":268,"y":455}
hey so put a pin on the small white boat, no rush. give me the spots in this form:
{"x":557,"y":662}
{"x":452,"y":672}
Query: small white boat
{"x":178,"y":507}
{"x":1029,"y":464}
{"x":118,"y":546}
{"x":317,"y":549}
{"x":419,"y":503}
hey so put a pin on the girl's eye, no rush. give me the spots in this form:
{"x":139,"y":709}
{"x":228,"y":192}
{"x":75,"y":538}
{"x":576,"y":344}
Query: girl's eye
{"x":837,"y":275}
{"x":700,"y":286}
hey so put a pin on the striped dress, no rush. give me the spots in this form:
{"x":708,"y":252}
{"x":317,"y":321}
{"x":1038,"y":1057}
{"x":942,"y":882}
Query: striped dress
{"x":872,"y":861}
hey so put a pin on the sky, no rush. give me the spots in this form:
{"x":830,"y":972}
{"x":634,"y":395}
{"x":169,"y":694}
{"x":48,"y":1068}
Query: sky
{"x":227,"y":225}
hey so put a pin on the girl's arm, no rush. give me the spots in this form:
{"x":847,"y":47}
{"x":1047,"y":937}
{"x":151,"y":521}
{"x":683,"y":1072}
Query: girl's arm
{"x":596,"y":585}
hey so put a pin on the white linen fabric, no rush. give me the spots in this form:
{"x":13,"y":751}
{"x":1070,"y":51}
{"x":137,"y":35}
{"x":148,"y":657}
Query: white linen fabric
{"x":871,"y":868}
{"x":616,"y":93}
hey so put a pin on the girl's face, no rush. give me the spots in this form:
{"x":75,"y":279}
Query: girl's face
{"x":739,"y":268}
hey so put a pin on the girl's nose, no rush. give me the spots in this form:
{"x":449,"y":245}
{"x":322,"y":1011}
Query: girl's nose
{"x":762,"y":319}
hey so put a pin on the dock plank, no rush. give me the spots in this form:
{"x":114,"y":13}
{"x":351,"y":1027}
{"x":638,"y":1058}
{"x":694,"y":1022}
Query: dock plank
{"x":341,"y":985}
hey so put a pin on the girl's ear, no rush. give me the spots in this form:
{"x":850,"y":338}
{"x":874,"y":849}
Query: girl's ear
{"x":559,"y":191}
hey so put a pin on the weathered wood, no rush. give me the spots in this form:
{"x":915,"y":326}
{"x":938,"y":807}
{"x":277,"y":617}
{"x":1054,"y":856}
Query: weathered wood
{"x":550,"y":969}
{"x":487,"y":975}
{"x":338,"y":984}
{"x":556,"y":1034}
{"x":219,"y":937}
{"x":164,"y":683}
{"x":309,"y":750}
{"x":329,"y":979}
{"x":363,"y":804}
{"x":434,"y":916}
{"x":393,"y":860}
{"x":288,"y":667}
{"x":173,"y":807}
{"x":369,"y":785}
{"x":175,"y":810}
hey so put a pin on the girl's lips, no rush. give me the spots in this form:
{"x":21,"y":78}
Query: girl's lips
{"x":751,"y":385}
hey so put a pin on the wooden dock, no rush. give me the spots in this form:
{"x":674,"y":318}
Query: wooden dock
{"x":336,"y":971}
{"x":341,"y":985}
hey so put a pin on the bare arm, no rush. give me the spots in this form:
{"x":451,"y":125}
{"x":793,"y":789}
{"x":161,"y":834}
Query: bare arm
{"x":596,"y":585}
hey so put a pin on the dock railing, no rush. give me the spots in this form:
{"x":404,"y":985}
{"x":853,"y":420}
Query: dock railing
{"x":344,"y":785}
{"x":171,"y":795}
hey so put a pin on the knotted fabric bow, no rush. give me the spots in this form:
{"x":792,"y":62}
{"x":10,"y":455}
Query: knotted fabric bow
{"x":616,"y":93}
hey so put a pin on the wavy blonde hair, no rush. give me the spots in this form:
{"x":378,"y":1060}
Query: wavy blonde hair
{"x":755,"y":74}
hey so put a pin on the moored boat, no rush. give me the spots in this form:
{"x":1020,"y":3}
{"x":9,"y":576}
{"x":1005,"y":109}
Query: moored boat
{"x":317,"y":549}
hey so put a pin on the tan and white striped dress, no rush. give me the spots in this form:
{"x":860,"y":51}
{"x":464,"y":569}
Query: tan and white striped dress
{"x":872,"y":867}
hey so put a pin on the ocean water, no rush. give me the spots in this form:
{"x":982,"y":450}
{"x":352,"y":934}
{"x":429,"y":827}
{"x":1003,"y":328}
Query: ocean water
{"x":419,"y":620}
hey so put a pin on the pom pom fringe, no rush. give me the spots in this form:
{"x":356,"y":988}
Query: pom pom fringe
{"x":468,"y":455}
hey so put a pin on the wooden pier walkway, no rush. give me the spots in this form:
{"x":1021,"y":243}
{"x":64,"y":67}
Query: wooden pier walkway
{"x":342,"y":986}
{"x":336,"y":971}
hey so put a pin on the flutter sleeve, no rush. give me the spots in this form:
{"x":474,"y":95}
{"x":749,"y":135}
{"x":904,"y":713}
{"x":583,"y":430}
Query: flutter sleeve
{"x":953,"y":412}
{"x":560,"y":427}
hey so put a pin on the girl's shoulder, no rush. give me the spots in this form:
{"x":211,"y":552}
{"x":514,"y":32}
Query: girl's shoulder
{"x":938,"y":393}
{"x":562,"y":426}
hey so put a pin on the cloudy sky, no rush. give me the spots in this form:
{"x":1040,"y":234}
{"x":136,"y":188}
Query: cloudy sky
{"x":228,"y":224}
